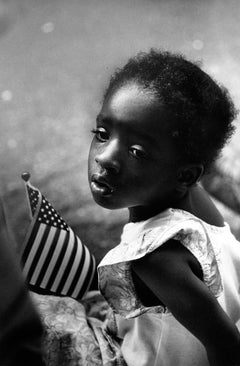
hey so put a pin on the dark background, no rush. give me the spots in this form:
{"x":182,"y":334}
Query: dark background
{"x":56,"y":57}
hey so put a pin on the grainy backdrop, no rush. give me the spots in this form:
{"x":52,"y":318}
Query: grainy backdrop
{"x":55,"y":60}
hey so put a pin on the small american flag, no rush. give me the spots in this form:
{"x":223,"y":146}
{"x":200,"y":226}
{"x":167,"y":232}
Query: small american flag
{"x":54,"y":258}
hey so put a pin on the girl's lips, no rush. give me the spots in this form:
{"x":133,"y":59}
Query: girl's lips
{"x":100,"y":186}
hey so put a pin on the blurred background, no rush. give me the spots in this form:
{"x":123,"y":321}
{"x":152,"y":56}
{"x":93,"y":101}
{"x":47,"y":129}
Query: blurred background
{"x":56,"y":57}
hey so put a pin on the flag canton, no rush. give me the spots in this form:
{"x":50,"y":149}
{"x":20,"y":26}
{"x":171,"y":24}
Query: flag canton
{"x":33,"y":198}
{"x":49,"y":216}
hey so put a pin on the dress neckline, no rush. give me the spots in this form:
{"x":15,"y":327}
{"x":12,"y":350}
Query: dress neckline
{"x":169,"y":212}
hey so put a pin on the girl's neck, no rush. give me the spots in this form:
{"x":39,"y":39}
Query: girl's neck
{"x":142,"y":213}
{"x":196,"y":201}
{"x":199,"y":204}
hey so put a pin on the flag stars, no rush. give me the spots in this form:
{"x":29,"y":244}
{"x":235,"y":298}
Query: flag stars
{"x":50,"y":216}
{"x":33,"y":197}
{"x":47,"y":214}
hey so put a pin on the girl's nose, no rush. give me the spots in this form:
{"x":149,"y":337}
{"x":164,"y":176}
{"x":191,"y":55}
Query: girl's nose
{"x":108,"y":158}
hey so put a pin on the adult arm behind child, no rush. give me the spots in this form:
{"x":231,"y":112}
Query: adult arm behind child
{"x":172,"y":274}
{"x":20,"y":326}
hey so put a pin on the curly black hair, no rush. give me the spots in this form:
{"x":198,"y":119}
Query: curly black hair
{"x":202,"y":109}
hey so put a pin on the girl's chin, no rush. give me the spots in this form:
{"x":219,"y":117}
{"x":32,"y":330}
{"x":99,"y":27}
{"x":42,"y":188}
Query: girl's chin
{"x":105,"y":201}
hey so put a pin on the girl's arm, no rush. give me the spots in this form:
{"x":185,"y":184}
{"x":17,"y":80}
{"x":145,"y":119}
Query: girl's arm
{"x":170,"y":272}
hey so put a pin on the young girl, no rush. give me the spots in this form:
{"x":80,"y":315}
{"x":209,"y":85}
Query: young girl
{"x":173,"y":282}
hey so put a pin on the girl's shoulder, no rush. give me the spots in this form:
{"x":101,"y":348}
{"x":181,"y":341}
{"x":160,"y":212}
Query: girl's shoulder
{"x":199,"y":240}
{"x":173,"y":231}
{"x":141,"y":238}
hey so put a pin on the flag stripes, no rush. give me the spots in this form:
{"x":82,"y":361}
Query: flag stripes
{"x":76,"y":258}
{"x":50,"y":254}
{"x":49,"y":270}
{"x":58,"y":264}
{"x":81,"y":286}
{"x":68,"y":263}
{"x":36,"y":250}
{"x":80,"y":279}
{"x":44,"y":247}
{"x":54,"y":258}
{"x":46,"y":268}
{"x":77,"y":275}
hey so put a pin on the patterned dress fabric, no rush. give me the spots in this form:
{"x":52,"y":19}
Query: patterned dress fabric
{"x":151,"y":335}
{"x":78,"y":334}
{"x":122,"y":331}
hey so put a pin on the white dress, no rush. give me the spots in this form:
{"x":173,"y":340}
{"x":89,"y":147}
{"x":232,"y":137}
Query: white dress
{"x":151,"y":336}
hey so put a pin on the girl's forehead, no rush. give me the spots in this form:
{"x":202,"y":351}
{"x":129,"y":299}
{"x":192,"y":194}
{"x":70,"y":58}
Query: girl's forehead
{"x":132,"y":104}
{"x":131,"y":96}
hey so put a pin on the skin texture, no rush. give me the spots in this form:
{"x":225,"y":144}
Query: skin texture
{"x":138,"y":162}
{"x":202,"y":109}
{"x":134,"y":164}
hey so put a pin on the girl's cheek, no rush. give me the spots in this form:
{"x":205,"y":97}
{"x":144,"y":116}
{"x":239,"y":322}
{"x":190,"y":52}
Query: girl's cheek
{"x":92,"y":150}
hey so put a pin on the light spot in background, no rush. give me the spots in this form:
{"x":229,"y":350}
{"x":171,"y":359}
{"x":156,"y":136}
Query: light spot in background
{"x":198,"y":44}
{"x":6,"y":95}
{"x":47,"y":27}
{"x":12,"y":143}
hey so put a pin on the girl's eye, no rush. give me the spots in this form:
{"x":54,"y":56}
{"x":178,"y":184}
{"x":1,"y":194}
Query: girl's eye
{"x":137,"y":152}
{"x":101,"y":134}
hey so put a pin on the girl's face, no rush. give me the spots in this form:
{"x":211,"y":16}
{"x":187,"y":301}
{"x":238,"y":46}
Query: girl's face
{"x":132,"y":159}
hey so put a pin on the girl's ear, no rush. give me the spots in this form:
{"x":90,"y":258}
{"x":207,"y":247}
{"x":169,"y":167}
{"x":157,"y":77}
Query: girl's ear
{"x":190,"y":174}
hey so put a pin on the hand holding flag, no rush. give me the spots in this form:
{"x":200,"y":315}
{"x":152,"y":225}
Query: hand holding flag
{"x":54,"y":258}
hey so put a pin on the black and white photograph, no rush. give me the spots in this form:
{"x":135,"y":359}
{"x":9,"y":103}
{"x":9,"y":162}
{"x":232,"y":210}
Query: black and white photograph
{"x":120,"y":183}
